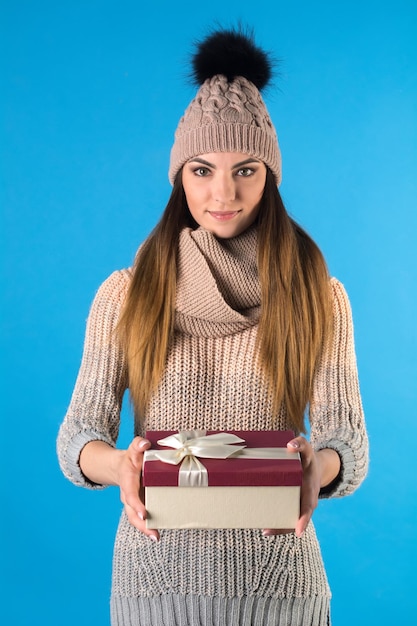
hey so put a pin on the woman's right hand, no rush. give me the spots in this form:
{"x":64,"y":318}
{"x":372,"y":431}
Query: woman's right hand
{"x":131,"y":490}
{"x":104,"y":465}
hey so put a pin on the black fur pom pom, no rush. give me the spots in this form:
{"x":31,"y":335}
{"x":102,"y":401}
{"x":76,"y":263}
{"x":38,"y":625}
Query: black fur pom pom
{"x":231,"y":53}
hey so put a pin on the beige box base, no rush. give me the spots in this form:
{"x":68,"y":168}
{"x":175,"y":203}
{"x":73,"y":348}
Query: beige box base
{"x":222,"y":507}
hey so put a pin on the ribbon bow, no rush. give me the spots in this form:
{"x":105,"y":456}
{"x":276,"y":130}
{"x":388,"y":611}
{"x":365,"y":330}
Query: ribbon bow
{"x":190,"y":444}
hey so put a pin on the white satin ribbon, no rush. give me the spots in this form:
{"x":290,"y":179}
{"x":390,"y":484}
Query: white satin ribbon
{"x":190,"y":444}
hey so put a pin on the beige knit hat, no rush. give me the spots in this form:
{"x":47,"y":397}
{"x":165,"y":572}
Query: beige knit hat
{"x":228,"y":113}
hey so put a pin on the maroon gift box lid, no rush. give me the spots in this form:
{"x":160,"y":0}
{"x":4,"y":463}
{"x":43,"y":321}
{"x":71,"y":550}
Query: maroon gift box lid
{"x":233,"y":472}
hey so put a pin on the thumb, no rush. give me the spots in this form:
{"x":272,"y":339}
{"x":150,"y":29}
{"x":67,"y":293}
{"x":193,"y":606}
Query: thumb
{"x":136,"y":449}
{"x":294,"y":445}
{"x":141,"y":444}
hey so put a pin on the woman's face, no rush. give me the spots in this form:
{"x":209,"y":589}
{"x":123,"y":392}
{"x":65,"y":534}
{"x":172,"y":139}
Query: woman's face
{"x":223,"y":191}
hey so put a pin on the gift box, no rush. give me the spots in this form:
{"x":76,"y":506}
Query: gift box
{"x":212,"y":479}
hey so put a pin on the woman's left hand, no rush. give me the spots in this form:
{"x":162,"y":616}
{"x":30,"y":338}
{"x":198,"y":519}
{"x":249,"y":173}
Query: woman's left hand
{"x":312,"y":478}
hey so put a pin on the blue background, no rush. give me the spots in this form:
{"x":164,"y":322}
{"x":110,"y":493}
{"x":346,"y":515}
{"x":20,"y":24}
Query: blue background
{"x":91,"y":93}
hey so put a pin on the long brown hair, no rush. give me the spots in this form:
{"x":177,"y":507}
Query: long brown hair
{"x":296,"y":312}
{"x":296,"y":320}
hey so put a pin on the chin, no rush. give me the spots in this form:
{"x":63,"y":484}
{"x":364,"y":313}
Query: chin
{"x":227,"y":233}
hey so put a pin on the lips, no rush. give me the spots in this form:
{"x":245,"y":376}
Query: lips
{"x":223,"y":216}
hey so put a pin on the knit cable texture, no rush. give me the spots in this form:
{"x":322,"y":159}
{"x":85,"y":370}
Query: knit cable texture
{"x":226,"y":117}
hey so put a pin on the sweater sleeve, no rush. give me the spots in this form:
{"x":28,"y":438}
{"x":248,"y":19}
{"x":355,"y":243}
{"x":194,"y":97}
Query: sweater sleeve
{"x":336,"y":413}
{"x":94,"y":410}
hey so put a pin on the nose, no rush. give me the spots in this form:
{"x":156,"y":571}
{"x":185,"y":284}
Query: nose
{"x":224,"y":188}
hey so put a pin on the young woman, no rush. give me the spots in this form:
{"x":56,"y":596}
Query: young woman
{"x":228,"y":321}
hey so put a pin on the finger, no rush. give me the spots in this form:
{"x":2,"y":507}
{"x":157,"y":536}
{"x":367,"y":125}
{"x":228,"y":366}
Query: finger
{"x":304,"y":448}
{"x":136,"y":449}
{"x":298,"y":444}
{"x":293,"y":445}
{"x":130,"y":497}
{"x":302,"y":525}
{"x":132,"y":492}
{"x":140,"y":524}
{"x":130,"y":475}
{"x":136,"y":513}
{"x":140,"y":443}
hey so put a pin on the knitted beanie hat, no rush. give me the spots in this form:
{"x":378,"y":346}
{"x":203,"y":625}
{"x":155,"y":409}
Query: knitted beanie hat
{"x":228,"y":113}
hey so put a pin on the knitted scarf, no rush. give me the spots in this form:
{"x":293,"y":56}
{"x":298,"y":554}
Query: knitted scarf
{"x":218,"y":290}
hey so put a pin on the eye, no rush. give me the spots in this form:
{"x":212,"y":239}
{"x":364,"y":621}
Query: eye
{"x":245,"y":172}
{"x":201,"y":171}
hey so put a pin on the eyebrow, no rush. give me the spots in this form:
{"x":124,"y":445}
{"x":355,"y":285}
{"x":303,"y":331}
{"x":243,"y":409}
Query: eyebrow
{"x":203,"y":162}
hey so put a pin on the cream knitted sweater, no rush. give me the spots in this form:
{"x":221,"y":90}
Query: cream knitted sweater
{"x":217,"y":577}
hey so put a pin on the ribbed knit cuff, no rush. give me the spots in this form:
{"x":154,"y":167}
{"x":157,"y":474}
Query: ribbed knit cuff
{"x":70,"y":458}
{"x":342,"y":485}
